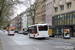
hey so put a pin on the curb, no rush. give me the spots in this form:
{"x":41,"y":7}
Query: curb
{"x":0,"y":45}
{"x":63,"y":40}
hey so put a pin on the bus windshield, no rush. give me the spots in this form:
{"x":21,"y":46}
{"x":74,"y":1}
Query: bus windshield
{"x":43,"y":28}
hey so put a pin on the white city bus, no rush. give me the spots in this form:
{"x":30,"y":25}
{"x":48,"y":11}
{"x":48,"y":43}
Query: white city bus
{"x":38,"y":31}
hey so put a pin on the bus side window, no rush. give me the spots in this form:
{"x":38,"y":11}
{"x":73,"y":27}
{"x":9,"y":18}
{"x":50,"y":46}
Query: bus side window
{"x":36,"y":29}
{"x":28,"y":30}
{"x":40,"y":28}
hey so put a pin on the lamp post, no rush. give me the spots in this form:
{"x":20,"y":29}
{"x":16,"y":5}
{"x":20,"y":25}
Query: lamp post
{"x":33,"y":13}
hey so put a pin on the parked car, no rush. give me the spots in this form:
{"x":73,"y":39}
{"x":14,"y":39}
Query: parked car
{"x":21,"y":32}
{"x":16,"y":31}
{"x":4,"y":30}
{"x":25,"y":32}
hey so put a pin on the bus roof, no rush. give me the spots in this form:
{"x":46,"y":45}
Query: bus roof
{"x":37,"y":25}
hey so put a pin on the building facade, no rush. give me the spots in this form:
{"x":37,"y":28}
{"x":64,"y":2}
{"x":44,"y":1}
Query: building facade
{"x":43,"y":11}
{"x":23,"y":21}
{"x":29,"y":17}
{"x":63,"y":16}
{"x":19,"y":22}
{"x":14,"y":23}
{"x":49,"y":12}
{"x":38,"y":11}
{"x":33,"y":14}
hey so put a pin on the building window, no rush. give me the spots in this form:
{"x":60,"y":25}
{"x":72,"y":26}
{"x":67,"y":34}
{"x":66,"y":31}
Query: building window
{"x":54,"y":1}
{"x":62,"y":7}
{"x":69,"y":5}
{"x":56,"y":9}
{"x":51,"y":5}
{"x":59,"y":0}
{"x":43,"y":18}
{"x":62,"y":19}
{"x":44,"y":0}
{"x":67,"y":18}
{"x":73,"y":18}
{"x":56,"y":20}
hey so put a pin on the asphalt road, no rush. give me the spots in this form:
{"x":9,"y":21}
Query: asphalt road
{"x":23,"y":42}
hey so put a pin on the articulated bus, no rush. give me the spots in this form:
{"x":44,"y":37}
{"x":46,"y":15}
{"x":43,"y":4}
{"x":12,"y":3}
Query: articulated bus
{"x":38,"y":31}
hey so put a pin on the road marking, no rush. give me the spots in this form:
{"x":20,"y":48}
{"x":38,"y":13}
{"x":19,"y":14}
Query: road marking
{"x":35,"y":48}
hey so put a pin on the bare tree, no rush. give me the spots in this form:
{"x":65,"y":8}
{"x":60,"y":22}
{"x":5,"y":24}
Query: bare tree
{"x":7,"y":10}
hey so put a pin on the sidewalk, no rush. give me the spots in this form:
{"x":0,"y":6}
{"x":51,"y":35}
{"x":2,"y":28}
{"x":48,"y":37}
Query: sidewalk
{"x":71,"y":40}
{"x":0,"y":45}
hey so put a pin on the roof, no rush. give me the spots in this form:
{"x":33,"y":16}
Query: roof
{"x":37,"y":24}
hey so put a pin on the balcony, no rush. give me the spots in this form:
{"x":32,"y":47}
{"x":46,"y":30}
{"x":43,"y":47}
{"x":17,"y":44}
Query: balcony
{"x":61,"y":3}
{"x":68,"y":1}
{"x":55,"y":5}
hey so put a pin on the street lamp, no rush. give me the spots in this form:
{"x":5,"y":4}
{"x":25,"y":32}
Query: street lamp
{"x":33,"y":13}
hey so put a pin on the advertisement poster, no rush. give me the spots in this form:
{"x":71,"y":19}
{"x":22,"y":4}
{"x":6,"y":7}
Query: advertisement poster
{"x":66,"y":32}
{"x":50,"y":32}
{"x":11,"y":30}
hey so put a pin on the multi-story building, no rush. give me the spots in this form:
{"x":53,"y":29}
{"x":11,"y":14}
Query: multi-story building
{"x":24,"y":21}
{"x":32,"y":14}
{"x":43,"y":11}
{"x":16,"y":29}
{"x":19,"y":22}
{"x":49,"y":12}
{"x":14,"y":23}
{"x":64,"y":16}
{"x":29,"y":17}
{"x":38,"y":11}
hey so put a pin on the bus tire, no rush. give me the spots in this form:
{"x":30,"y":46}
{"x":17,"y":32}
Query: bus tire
{"x":29,"y":36}
{"x":34,"y":36}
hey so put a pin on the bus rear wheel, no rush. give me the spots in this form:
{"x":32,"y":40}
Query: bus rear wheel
{"x":29,"y":36}
{"x":34,"y":37}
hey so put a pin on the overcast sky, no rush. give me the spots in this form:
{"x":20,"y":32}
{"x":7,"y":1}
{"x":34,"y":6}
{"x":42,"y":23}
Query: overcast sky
{"x":22,"y":7}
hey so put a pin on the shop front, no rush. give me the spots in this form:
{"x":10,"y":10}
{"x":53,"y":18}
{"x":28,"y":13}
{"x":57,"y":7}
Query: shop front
{"x":60,"y":31}
{"x":65,"y":20}
{"x":73,"y":31}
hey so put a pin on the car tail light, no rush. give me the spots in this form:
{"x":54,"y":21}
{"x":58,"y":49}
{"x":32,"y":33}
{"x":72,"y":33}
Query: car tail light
{"x":37,"y":33}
